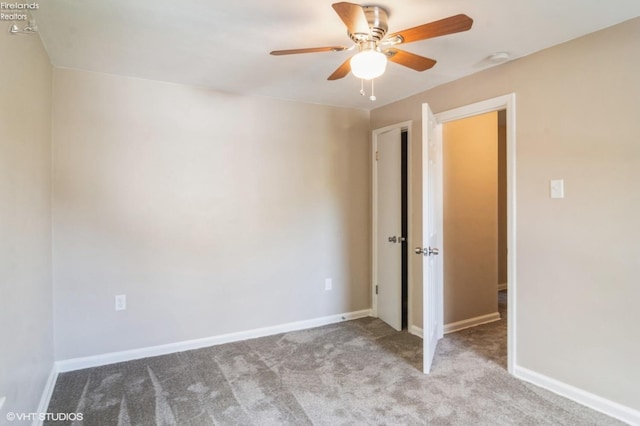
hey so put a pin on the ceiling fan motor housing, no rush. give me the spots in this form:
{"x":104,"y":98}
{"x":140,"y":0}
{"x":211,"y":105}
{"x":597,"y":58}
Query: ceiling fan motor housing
{"x":377,"y":19}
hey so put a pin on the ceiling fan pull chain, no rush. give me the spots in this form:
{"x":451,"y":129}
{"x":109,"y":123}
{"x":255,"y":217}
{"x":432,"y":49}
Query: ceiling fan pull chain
{"x":362,"y":86}
{"x":373,"y":96}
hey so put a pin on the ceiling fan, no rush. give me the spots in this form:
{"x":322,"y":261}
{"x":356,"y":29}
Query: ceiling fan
{"x":367,"y":27}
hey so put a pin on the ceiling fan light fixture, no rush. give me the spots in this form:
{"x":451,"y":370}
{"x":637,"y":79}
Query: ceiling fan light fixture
{"x":368,"y":64}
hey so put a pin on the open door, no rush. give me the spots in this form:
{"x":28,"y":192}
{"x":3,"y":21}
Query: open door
{"x":432,"y":266}
{"x":389,"y":228}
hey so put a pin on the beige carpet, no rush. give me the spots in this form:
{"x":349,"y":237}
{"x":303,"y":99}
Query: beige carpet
{"x":358,"y":372}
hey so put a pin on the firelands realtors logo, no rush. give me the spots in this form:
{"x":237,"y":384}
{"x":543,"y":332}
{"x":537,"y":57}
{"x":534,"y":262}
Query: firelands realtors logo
{"x":16,"y":11}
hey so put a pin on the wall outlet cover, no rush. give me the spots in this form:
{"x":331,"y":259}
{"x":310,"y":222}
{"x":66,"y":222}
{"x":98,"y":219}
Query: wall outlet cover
{"x":328,"y":284}
{"x":121,"y":302}
{"x":556,"y":188}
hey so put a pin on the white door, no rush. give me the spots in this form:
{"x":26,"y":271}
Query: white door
{"x":389,"y":228}
{"x":432,"y":265}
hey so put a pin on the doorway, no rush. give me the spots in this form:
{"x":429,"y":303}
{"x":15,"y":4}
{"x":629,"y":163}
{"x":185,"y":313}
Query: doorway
{"x":506,"y":103}
{"x":474,"y":218}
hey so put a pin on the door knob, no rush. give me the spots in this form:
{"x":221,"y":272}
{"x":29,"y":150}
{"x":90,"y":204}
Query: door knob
{"x":393,"y":239}
{"x":427,"y":251}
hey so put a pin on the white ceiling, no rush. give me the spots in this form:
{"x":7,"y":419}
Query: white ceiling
{"x":225,"y":45}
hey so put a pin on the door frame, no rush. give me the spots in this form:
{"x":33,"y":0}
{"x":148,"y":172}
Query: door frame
{"x":405,"y":125}
{"x":508,"y":103}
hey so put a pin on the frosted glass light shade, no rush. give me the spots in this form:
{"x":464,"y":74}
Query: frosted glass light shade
{"x":368,"y":64}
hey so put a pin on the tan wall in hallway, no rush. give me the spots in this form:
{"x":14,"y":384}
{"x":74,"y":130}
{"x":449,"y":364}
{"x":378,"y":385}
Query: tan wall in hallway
{"x":470,"y":216}
{"x":577,"y":267}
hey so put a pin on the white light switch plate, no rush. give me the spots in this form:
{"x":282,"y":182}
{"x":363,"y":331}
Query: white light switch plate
{"x":556,"y":188}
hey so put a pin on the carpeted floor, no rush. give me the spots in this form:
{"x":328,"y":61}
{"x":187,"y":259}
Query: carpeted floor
{"x":358,"y":372}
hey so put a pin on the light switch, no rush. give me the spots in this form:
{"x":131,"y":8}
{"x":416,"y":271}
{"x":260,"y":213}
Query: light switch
{"x":556,"y":188}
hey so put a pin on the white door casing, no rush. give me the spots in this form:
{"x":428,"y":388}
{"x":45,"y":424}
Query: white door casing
{"x":431,"y":250}
{"x":388,"y":243}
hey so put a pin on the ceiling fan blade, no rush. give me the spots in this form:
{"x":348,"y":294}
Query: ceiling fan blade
{"x":309,"y":50}
{"x":410,"y":60}
{"x":342,"y":71}
{"x":450,"y":25}
{"x":353,"y":17}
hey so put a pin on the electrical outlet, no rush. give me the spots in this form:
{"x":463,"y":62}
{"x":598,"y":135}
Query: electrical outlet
{"x":328,"y":284}
{"x":121,"y":302}
{"x":556,"y":188}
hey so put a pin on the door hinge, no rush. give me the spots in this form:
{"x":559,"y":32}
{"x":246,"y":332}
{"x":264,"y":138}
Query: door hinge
{"x":376,"y":289}
{"x":377,"y":155}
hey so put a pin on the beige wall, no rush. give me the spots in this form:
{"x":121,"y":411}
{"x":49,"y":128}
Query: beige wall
{"x":213,"y":213}
{"x":470,"y":217}
{"x":577,"y":265}
{"x":26,"y":330}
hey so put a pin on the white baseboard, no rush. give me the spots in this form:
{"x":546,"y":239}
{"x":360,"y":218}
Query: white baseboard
{"x":129,"y":355}
{"x":471,"y":322}
{"x":502,"y":286}
{"x":416,"y":331}
{"x":46,"y":394}
{"x":595,"y":402}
